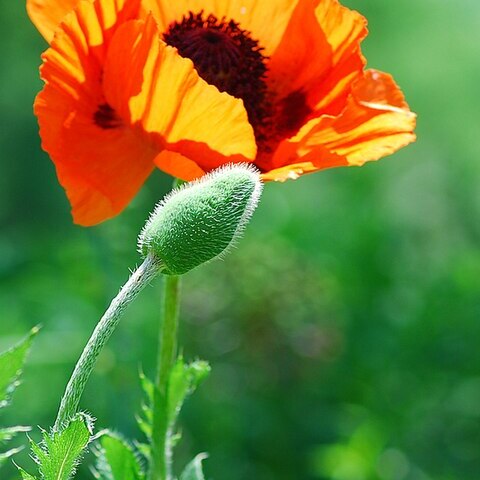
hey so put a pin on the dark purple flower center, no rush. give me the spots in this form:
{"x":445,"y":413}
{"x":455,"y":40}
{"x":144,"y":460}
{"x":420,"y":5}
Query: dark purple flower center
{"x":226,"y":56}
{"x":105,"y":117}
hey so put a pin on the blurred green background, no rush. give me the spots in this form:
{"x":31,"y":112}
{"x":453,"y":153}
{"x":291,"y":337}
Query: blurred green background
{"x":344,"y":331}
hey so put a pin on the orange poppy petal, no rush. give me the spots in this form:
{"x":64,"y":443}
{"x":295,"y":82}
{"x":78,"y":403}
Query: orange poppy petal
{"x":77,"y":52}
{"x":266,"y":20}
{"x":376,"y":122}
{"x":178,"y":166}
{"x":317,"y":159}
{"x":46,"y":15}
{"x":101,"y":168}
{"x":319,"y":54}
{"x":147,"y":82}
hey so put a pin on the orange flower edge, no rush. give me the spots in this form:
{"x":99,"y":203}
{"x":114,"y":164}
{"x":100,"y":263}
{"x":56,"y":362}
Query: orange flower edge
{"x":300,"y":76}
{"x":104,"y":121}
{"x":374,"y":123}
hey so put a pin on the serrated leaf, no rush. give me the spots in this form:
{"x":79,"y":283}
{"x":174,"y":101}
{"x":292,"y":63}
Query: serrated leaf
{"x":145,"y":418}
{"x":143,"y":449}
{"x":117,"y":460}
{"x":148,"y":387}
{"x":60,"y":452}
{"x":194,"y":471}
{"x":11,"y":364}
{"x":184,"y":379}
{"x":25,"y":475}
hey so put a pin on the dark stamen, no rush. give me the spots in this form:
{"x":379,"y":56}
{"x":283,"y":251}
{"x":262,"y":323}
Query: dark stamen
{"x":225,"y":56}
{"x":106,"y":117}
{"x":286,"y":116}
{"x":293,"y":112}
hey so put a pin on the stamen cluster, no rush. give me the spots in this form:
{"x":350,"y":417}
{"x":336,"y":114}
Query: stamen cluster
{"x":225,"y":56}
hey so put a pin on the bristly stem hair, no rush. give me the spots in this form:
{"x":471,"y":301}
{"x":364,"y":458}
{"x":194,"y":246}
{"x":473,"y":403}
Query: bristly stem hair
{"x":161,"y":440}
{"x":139,"y":279}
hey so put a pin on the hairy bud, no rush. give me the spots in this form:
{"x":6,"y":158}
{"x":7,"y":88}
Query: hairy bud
{"x":197,"y":222}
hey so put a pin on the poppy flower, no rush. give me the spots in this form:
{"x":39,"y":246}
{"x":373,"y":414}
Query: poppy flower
{"x":187,"y":85}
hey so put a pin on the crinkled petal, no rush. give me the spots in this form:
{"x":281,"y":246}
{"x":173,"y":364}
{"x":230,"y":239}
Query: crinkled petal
{"x":161,"y":93}
{"x":317,"y":159}
{"x":266,"y":20}
{"x":375,"y":122}
{"x":289,"y":163}
{"x":101,"y":164}
{"x":319,"y":54}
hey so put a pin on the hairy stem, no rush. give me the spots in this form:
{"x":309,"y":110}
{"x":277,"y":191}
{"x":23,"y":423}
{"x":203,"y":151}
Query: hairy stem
{"x":103,"y":331}
{"x":168,"y":334}
{"x":160,"y":466}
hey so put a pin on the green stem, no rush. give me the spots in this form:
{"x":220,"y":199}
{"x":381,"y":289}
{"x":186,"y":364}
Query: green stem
{"x":103,"y":331}
{"x":160,"y":465}
{"x":168,"y":332}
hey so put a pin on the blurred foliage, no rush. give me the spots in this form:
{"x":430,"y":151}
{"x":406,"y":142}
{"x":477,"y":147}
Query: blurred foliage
{"x":11,"y":365}
{"x":343,"y":331}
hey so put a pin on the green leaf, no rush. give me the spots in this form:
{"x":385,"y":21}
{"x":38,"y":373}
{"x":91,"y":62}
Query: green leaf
{"x":184,"y":379}
{"x":145,"y":418}
{"x":25,"y":475}
{"x":60,"y":452}
{"x":11,"y":364}
{"x":194,"y":471}
{"x":117,"y":460}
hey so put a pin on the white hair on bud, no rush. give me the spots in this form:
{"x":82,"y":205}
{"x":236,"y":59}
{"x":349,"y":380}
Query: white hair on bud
{"x":145,"y":237}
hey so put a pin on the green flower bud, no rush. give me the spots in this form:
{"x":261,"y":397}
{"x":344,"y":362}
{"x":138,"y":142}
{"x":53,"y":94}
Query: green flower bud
{"x":198,"y":221}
